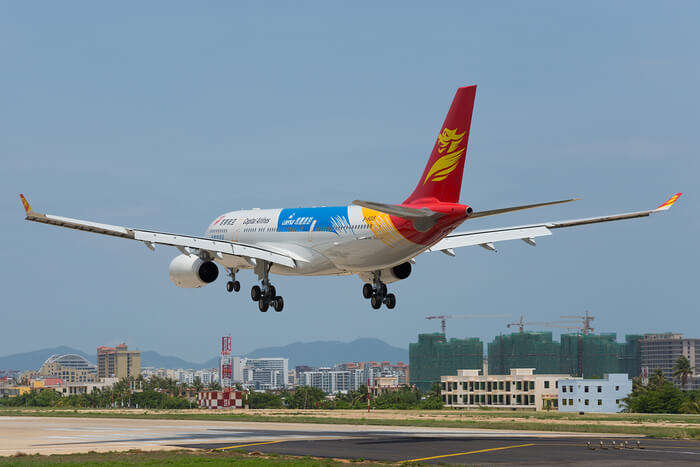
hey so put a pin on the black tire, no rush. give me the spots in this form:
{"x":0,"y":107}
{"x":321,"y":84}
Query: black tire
{"x":236,"y":286}
{"x":382,"y":289}
{"x":263,"y":305}
{"x":367,"y":291}
{"x":391,"y":301}
{"x":229,"y":286}
{"x":255,"y":293}
{"x":272,"y":291}
{"x":376,"y":302}
{"x":278,"y":304}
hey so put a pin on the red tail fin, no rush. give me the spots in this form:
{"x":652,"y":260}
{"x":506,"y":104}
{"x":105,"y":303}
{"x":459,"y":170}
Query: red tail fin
{"x":442,"y":177}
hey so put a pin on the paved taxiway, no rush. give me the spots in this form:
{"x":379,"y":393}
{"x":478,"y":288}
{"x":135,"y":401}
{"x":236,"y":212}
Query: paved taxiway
{"x":47,"y":435}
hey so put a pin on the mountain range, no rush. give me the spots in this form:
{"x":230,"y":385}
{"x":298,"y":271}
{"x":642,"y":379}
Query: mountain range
{"x":315,"y":354}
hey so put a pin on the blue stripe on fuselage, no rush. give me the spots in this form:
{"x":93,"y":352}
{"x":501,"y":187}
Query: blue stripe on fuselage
{"x":329,"y":219}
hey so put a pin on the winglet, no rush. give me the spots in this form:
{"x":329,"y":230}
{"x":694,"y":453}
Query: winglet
{"x":667,"y":205}
{"x":27,"y":207}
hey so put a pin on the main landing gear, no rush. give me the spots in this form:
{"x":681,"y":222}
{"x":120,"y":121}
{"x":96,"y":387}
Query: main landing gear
{"x":377,"y":294}
{"x":233,"y":285}
{"x":266,"y":295}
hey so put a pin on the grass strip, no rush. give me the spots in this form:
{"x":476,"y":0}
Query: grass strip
{"x":180,"y":457}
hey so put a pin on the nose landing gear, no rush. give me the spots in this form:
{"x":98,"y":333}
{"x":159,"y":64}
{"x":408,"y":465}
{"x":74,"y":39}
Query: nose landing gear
{"x":233,"y":285}
{"x":377,"y":293}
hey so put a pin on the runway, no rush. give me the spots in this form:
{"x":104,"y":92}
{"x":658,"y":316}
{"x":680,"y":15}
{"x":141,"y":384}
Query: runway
{"x":49,"y":435}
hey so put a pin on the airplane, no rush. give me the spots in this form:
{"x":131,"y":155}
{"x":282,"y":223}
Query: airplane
{"x":376,"y":241}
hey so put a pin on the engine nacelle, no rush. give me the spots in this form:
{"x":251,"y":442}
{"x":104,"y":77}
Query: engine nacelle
{"x":191,"y":272}
{"x":397,"y":273}
{"x":389,"y":275}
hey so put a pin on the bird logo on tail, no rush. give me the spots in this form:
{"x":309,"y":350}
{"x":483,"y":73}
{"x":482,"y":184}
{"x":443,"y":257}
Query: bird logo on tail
{"x":449,"y":142}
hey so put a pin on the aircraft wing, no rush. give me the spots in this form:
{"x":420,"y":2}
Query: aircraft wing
{"x":150,"y":238}
{"x":527,"y":233}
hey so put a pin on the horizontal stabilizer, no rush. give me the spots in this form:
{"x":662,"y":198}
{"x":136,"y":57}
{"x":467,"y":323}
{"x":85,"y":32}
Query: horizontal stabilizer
{"x":423,"y":219}
{"x":493,"y":212}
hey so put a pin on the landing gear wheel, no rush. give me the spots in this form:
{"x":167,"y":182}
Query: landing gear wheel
{"x":236,"y":286}
{"x":367,"y":291}
{"x":256,"y":293}
{"x":376,"y":302}
{"x":272,"y":291}
{"x":263,"y":305}
{"x":390,"y":301}
{"x":278,"y":304}
{"x":229,"y":286}
{"x":382,"y":289}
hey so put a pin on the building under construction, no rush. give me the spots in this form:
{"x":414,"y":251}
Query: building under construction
{"x":524,"y":350}
{"x":586,"y":355}
{"x":433,"y":356}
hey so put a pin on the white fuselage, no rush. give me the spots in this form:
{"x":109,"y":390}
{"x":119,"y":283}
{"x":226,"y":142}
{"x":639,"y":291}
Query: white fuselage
{"x":322,"y":240}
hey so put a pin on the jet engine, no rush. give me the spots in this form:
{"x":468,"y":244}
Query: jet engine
{"x":389,"y":275}
{"x":191,"y":272}
{"x":397,"y":273}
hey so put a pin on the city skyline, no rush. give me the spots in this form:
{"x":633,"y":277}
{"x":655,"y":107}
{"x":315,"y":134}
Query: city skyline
{"x":555,"y":335}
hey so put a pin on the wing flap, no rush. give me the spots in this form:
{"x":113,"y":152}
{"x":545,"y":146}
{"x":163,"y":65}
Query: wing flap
{"x":528,"y":232}
{"x":489,"y":236}
{"x":161,"y":238}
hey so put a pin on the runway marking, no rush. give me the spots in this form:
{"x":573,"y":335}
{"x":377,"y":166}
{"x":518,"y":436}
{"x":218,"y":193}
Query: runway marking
{"x":468,"y":452}
{"x":251,"y":444}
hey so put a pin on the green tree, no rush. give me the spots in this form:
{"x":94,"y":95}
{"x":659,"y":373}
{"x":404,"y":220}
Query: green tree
{"x":656,"y":380}
{"x":305,"y":397}
{"x":692,"y":402}
{"x":404,"y":398}
{"x":665,"y":398}
{"x":265,"y":400}
{"x":682,"y":370}
{"x":197,"y":384}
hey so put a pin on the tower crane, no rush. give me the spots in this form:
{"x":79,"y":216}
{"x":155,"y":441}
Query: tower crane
{"x":587,"y":318}
{"x":554,"y":324}
{"x":443,"y":319}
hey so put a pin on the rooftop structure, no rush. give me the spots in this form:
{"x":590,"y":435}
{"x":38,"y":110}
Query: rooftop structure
{"x":71,"y":368}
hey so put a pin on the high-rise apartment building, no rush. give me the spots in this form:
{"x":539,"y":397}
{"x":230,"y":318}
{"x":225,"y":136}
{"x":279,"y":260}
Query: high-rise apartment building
{"x":118,"y":362}
{"x":661,"y":351}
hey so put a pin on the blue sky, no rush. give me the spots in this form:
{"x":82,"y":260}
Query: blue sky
{"x":164,"y":114}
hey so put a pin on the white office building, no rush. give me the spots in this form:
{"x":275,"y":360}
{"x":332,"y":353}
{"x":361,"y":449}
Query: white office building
{"x":263,"y":373}
{"x":207,"y":377}
{"x":332,"y":381}
{"x":594,"y":395}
